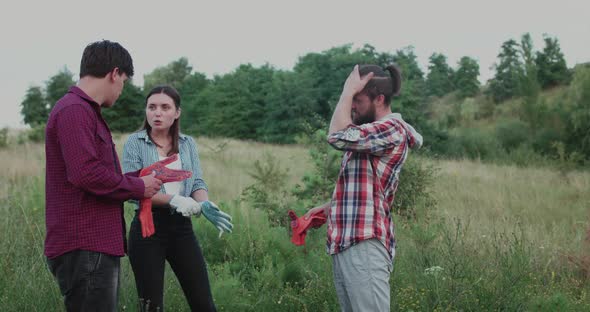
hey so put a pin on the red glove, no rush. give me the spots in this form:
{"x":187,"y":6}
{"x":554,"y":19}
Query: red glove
{"x":299,"y":225}
{"x":165,"y":175}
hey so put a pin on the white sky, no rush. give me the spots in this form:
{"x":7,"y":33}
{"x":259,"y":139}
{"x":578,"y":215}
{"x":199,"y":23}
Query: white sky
{"x":39,"y":39}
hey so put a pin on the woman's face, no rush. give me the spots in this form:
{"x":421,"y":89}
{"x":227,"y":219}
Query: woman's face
{"x":161,"y":111}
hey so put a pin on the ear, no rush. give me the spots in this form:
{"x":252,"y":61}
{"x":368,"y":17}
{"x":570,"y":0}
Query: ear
{"x":114,"y":74}
{"x":381,"y":99}
{"x":178,"y":111}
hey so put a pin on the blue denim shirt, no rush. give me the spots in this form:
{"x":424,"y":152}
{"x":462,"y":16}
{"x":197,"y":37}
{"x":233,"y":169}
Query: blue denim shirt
{"x":139,"y":152}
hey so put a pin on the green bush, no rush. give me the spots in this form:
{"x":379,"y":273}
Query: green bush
{"x":468,"y":111}
{"x":544,"y":139}
{"x":567,"y":162}
{"x":269,"y":193}
{"x":512,"y":133}
{"x":578,"y":113}
{"x":524,"y":156}
{"x":414,"y":191}
{"x":473,"y":143}
{"x":318,"y":184}
{"x":487,"y":107}
{"x":436,"y":140}
{"x":257,"y":268}
{"x":36,"y":133}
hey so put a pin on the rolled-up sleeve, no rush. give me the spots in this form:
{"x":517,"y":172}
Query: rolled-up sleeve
{"x":199,"y":183}
{"x":372,"y":138}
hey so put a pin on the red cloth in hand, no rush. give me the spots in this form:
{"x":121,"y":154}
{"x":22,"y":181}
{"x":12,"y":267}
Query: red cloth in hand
{"x":299,"y":225}
{"x":165,"y":175}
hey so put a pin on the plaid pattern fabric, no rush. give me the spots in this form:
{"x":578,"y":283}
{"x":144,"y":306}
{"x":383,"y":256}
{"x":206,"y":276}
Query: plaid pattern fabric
{"x":367,"y":182}
{"x":84,"y":185}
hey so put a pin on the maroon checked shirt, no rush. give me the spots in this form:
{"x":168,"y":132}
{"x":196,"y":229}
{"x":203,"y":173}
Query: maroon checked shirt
{"x":84,"y":186}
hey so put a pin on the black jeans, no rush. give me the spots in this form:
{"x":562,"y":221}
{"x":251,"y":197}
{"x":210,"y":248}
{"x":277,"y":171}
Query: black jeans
{"x":88,"y":280}
{"x":176,"y":242}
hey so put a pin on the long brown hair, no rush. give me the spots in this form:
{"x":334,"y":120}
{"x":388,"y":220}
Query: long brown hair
{"x":174,"y":130}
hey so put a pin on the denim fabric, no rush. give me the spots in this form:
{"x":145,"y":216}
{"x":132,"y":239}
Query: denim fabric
{"x":88,"y":280}
{"x":140,"y":152}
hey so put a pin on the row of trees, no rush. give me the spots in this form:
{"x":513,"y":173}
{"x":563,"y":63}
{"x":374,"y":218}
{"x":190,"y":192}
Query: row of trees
{"x":38,"y":102}
{"x":262,"y":103}
{"x":267,"y":104}
{"x":521,"y":71}
{"x":442,"y":79}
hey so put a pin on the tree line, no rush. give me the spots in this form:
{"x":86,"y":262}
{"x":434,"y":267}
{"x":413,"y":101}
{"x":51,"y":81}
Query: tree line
{"x":273,"y":105}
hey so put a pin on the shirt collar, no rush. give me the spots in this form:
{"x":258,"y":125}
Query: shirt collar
{"x":77,"y":91}
{"x":395,"y":116}
{"x":143,"y":135}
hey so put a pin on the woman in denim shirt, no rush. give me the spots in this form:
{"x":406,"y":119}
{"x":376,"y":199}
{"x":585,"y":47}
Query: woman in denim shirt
{"x":174,"y":239}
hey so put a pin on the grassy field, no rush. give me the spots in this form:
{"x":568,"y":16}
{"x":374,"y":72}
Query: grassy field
{"x":500,"y":238}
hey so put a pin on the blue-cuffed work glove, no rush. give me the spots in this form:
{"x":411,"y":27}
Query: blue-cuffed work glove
{"x":220,"y":219}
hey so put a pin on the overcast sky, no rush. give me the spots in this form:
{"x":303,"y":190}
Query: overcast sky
{"x":39,"y":39}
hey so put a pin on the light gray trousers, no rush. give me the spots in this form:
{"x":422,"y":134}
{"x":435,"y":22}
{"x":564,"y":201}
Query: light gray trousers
{"x":361,"y":277}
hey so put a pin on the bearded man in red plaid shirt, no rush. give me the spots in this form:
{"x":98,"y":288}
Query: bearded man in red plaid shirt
{"x":375,"y":142}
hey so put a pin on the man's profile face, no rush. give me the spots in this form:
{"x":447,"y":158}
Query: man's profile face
{"x":363,"y":109}
{"x":116,"y":88}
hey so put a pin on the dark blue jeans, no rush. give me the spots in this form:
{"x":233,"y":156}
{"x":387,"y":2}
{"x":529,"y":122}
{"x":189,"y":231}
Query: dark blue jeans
{"x":88,"y":280}
{"x":175,"y":242}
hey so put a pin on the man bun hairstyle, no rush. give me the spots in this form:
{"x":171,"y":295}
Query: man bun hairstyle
{"x":396,"y":78}
{"x":388,"y":84}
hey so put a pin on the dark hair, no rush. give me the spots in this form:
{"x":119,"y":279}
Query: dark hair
{"x":101,"y":57}
{"x":175,"y":128}
{"x":382,"y":83}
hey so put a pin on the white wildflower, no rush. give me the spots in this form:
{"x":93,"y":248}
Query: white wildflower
{"x":433,"y":270}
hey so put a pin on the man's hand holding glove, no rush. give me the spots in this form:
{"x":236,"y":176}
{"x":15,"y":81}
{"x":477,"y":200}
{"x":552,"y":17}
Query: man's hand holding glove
{"x":189,"y":207}
{"x":159,"y":171}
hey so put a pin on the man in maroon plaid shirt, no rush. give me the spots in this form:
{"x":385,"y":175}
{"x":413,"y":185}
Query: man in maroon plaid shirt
{"x":361,"y":236}
{"x":85,"y":188}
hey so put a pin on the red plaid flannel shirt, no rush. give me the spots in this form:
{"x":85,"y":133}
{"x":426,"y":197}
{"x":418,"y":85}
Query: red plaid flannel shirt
{"x":367,"y":182}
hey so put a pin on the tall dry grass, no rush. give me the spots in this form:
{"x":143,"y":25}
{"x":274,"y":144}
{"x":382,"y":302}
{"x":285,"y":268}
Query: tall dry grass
{"x":505,"y":238}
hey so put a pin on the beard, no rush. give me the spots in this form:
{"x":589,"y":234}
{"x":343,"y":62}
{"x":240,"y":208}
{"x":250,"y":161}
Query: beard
{"x":368,"y":117}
